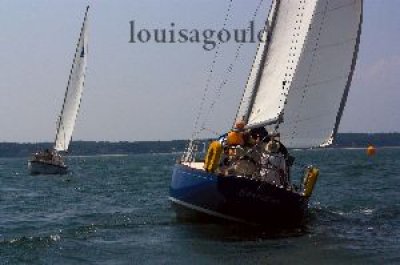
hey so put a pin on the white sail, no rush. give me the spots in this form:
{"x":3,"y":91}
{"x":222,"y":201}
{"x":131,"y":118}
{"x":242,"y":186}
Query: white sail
{"x":307,"y":71}
{"x":73,"y":94}
{"x":248,"y":96}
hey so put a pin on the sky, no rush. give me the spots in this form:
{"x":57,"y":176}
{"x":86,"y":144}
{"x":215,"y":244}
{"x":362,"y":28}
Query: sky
{"x":152,"y":91}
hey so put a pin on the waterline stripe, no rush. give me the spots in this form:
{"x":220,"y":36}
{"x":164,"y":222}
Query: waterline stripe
{"x":210,"y":212}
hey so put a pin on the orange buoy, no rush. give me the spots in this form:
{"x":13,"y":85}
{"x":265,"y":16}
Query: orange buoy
{"x":371,"y":150}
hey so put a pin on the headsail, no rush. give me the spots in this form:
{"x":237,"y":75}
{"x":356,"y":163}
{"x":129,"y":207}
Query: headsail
{"x":304,"y":78}
{"x":73,"y":93}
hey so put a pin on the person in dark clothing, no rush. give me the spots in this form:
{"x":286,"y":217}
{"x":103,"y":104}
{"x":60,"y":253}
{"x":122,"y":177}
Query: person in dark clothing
{"x":260,"y":135}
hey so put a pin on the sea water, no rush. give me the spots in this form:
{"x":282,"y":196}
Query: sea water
{"x":115,"y":210}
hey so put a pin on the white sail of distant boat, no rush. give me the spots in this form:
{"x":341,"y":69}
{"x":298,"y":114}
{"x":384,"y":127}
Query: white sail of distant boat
{"x":50,"y":161}
{"x":73,"y":93}
{"x":302,"y":72}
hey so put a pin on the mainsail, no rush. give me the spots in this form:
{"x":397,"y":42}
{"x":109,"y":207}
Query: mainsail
{"x":302,"y":72}
{"x":73,"y":93}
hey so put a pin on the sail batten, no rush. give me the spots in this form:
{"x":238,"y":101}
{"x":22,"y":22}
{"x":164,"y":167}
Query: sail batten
{"x":73,"y":93}
{"x":307,"y":70}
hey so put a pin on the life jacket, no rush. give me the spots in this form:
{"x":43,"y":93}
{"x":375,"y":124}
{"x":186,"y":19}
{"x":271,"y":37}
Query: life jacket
{"x":213,"y":156}
{"x":235,"y":138}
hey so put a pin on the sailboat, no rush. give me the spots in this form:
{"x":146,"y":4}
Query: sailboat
{"x":295,"y":96}
{"x":51,"y":161}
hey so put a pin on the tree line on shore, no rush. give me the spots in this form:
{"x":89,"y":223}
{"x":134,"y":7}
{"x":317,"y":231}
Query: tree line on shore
{"x":143,"y":147}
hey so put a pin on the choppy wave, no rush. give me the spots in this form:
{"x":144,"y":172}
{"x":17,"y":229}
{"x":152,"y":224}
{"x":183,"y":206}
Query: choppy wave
{"x":31,"y":241}
{"x":114,"y":210}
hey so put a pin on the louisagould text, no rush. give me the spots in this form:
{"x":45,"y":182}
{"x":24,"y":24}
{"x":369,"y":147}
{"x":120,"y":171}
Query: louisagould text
{"x":208,"y":38}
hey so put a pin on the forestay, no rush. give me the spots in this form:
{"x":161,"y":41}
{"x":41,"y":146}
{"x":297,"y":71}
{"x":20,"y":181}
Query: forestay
{"x":302,"y":74}
{"x":73,"y":92}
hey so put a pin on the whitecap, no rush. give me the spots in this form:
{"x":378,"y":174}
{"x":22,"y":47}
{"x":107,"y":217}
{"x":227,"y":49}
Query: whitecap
{"x":55,"y":237}
{"x":367,"y":211}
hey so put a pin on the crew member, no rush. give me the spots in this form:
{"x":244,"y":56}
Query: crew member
{"x":236,"y":135}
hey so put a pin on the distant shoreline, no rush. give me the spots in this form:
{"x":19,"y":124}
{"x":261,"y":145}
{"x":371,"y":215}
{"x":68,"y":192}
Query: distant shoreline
{"x":90,"y":148}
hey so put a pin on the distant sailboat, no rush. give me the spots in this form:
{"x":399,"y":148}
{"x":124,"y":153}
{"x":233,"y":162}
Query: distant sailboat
{"x":297,"y":89}
{"x":51,"y":161}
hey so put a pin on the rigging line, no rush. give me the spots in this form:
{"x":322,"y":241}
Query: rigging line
{"x":210,"y":130}
{"x":211,"y":73}
{"x":230,"y":68}
{"x":189,"y":152}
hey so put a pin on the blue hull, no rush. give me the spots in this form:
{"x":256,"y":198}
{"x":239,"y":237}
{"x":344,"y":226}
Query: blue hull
{"x":235,"y":198}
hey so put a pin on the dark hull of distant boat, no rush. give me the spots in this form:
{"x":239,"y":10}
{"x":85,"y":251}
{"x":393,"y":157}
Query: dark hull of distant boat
{"x":37,"y":167}
{"x":234,"y":198}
